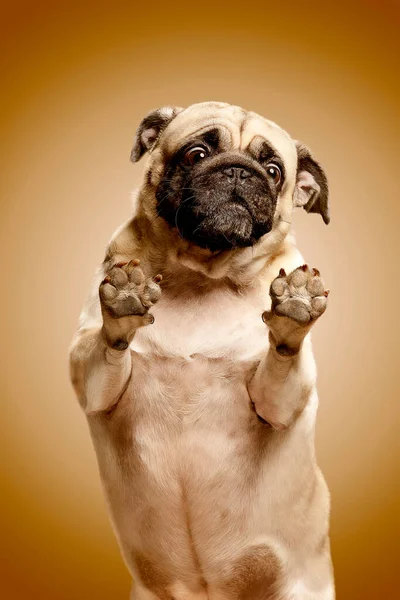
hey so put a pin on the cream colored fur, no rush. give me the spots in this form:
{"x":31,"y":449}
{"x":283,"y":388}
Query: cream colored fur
{"x":204,"y":496}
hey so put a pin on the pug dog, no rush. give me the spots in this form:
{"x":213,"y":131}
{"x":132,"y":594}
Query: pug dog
{"x":194,"y":367}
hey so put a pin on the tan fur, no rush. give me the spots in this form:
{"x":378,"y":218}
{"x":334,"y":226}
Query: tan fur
{"x":254,"y":576}
{"x":206,"y":498}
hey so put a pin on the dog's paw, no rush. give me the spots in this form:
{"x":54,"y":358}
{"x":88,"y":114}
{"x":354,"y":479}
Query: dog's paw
{"x":126,"y":291}
{"x":300,"y":296}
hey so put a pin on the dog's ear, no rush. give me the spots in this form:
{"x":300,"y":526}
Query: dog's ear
{"x":151,"y":128}
{"x":311,"y":191}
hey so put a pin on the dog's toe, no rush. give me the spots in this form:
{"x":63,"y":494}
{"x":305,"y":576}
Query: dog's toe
{"x":125,"y":291}
{"x":300,"y":296}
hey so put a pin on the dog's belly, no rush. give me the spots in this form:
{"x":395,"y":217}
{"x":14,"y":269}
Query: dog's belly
{"x":195,"y":479}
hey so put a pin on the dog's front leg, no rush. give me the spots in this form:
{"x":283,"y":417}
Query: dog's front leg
{"x":100,"y":358}
{"x":285,"y":376}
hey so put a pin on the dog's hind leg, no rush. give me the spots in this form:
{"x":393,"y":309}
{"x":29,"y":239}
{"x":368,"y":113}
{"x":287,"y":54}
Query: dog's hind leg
{"x":100,"y":359}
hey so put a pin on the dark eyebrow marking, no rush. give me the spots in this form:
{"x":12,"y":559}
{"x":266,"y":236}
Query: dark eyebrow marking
{"x":201,"y":131}
{"x":267,"y":151}
{"x":263,"y":151}
{"x":210,"y":127}
{"x":211,"y":137}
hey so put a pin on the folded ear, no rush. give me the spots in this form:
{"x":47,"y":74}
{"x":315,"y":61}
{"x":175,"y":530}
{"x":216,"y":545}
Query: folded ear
{"x":151,"y":128}
{"x":311,"y":191}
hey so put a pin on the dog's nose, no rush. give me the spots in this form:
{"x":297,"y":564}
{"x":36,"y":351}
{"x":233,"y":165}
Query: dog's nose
{"x":236,"y":173}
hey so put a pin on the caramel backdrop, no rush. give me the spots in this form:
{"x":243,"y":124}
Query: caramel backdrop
{"x":76,"y":82}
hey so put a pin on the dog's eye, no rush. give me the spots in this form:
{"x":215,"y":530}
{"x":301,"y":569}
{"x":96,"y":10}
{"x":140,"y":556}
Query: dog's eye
{"x":274,"y":172}
{"x":194,"y":155}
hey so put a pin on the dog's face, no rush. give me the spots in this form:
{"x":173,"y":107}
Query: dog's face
{"x":224,"y":177}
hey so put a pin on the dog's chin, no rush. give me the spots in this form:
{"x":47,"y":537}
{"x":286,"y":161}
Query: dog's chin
{"x":230,"y":227}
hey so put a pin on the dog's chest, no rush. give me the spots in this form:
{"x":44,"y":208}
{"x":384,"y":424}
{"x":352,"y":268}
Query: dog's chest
{"x":185,"y":431}
{"x":220,"y":324}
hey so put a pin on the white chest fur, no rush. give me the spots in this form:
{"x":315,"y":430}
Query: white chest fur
{"x":218,"y":324}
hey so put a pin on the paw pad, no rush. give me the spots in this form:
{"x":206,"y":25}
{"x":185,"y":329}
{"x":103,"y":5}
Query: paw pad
{"x":300,"y":296}
{"x":126,"y":291}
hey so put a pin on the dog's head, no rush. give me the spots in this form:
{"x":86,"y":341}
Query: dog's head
{"x":224,"y":177}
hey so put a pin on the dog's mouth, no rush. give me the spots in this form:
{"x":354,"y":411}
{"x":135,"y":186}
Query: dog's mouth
{"x":223,"y":226}
{"x":218,"y":209}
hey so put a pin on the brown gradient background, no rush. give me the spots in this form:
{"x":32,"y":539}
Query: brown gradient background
{"x":76,"y":82}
